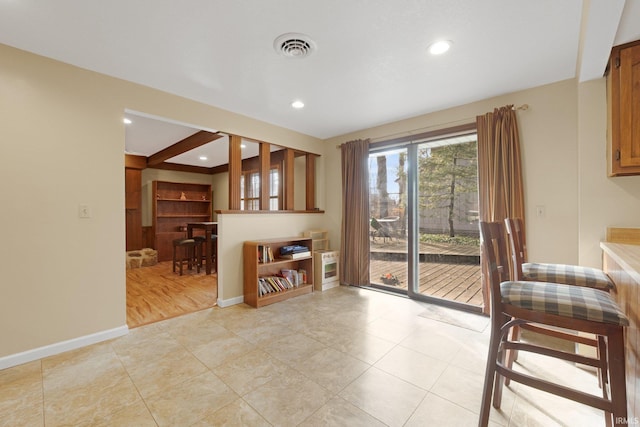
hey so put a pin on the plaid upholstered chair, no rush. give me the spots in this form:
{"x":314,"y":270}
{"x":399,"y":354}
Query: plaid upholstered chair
{"x":556,"y":273}
{"x":575,"y":308}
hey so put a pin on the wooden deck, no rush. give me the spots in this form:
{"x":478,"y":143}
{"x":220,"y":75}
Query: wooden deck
{"x":446,"y":271}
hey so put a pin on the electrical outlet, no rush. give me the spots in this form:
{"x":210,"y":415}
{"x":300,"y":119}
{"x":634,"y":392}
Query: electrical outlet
{"x":84,"y":211}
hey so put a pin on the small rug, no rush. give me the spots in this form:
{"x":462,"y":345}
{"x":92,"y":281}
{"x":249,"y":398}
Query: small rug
{"x":473,"y":321}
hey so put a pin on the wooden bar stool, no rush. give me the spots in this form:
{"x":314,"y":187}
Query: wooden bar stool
{"x":546,"y":272}
{"x":575,"y":308}
{"x":213,"y":251}
{"x":574,"y":275}
{"x":186,"y":251}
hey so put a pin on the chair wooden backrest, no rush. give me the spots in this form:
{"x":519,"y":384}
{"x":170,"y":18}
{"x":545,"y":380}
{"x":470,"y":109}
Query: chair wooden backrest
{"x":495,"y":250}
{"x":515,"y":231}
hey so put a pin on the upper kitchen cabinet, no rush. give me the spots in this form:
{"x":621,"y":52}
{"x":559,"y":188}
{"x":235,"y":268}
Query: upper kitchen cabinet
{"x":623,"y":103}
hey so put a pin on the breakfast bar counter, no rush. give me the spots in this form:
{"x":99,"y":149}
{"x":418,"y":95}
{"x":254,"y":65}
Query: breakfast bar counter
{"x":622,"y":263}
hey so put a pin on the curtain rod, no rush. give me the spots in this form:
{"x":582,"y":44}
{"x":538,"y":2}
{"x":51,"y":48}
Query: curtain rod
{"x":522,"y":107}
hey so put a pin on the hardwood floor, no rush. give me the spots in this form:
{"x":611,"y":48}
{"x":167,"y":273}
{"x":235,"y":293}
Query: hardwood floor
{"x":156,"y":293}
{"x":455,"y":282}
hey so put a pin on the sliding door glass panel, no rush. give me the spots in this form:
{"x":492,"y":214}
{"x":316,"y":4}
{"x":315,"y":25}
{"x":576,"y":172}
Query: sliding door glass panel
{"x":388,"y":219}
{"x":447,"y":221}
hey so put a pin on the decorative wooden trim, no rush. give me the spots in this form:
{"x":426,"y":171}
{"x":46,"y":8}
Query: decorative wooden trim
{"x":228,"y":211}
{"x":310,"y":181}
{"x":235,"y":171}
{"x":182,"y":168}
{"x":132,"y":161}
{"x":189,"y":143}
{"x":264,"y":169}
{"x":627,"y":236}
{"x":289,"y":160}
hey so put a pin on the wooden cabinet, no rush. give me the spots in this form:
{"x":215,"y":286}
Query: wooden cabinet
{"x":623,"y":102}
{"x":174,"y":205}
{"x":258,"y":264}
{"x":133,"y":212}
{"x":622,"y":263}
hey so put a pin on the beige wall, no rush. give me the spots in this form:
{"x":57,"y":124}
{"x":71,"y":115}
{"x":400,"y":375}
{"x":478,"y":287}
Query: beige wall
{"x":62,"y":145}
{"x":63,"y":142}
{"x":604,"y":201}
{"x":563,"y":137}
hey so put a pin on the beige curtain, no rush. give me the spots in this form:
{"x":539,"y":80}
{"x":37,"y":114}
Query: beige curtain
{"x":354,"y":247}
{"x":499,"y":170}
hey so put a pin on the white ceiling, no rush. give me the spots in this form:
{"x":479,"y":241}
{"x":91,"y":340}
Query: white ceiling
{"x":371,"y":65}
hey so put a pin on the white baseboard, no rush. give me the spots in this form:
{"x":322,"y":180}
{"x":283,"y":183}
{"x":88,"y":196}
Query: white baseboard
{"x":61,"y":347}
{"x":325,"y":286}
{"x":222,"y":303}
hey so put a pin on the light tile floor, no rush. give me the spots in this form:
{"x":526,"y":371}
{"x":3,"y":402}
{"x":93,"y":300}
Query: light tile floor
{"x":344,"y":357}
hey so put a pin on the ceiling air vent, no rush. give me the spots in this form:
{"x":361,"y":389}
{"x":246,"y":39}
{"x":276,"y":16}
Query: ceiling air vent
{"x":294,"y":45}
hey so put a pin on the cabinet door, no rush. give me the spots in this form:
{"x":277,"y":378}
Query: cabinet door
{"x":133,"y":188}
{"x":630,"y":106}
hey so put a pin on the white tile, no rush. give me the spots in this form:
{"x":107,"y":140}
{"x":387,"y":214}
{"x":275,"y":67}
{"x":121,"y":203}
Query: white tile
{"x":412,"y":366}
{"x":384,"y":396}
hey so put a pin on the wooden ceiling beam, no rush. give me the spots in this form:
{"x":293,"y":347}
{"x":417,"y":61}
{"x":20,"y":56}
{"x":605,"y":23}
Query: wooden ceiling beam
{"x":182,"y":168}
{"x":189,"y":143}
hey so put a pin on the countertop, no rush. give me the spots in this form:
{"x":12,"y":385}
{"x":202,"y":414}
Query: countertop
{"x":627,"y":256}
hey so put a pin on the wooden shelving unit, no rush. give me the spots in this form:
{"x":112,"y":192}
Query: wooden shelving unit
{"x":254,"y":269}
{"x":171,"y":213}
{"x":319,"y":239}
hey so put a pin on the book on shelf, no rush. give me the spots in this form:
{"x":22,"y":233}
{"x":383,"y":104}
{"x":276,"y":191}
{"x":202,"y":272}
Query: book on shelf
{"x":296,"y":255}
{"x":271,"y":284}
{"x":265,"y":254}
{"x":291,"y":275}
{"x":293,"y":249}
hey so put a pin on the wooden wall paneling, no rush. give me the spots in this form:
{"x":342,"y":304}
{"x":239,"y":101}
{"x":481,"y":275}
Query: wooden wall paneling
{"x":147,"y":237}
{"x":133,"y":208}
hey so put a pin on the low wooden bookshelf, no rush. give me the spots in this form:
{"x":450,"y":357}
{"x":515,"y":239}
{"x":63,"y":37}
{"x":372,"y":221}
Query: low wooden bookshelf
{"x":255,"y":268}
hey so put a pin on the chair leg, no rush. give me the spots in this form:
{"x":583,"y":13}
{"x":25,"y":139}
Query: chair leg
{"x":174,"y":258}
{"x":197,"y":249}
{"x":615,"y":358}
{"x":490,"y":371}
{"x":512,"y":355}
{"x":603,"y":375}
{"x":501,"y":356}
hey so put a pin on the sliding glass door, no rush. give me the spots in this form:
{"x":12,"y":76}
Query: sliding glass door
{"x":424,"y":220}
{"x":388,"y":219}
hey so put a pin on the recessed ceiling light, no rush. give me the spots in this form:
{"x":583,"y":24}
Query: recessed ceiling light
{"x":297,"y":104}
{"x":203,"y":157}
{"x":439,"y":47}
{"x":126,"y":121}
